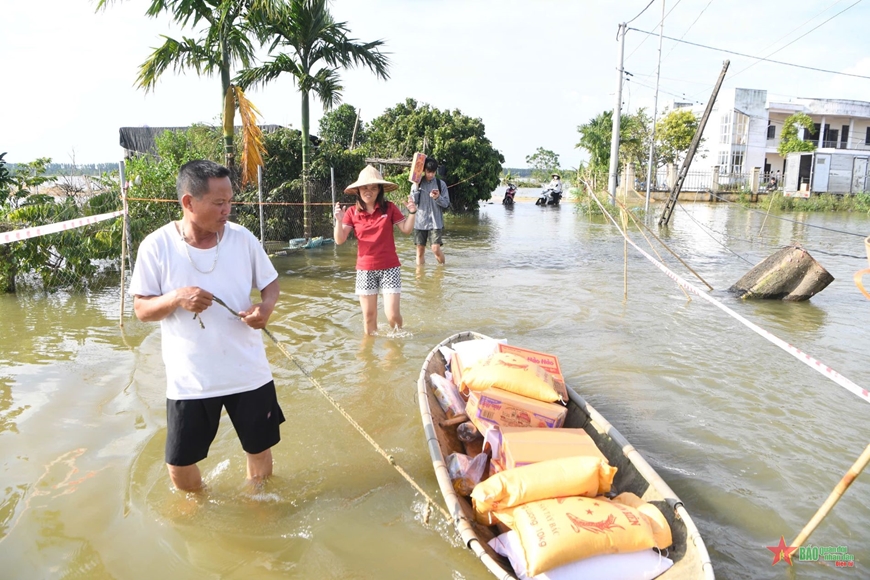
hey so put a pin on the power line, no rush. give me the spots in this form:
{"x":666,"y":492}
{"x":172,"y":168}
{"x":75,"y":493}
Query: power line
{"x":800,"y":37}
{"x":659,"y":24}
{"x":690,"y":28}
{"x":758,"y":57}
{"x":641,"y":12}
{"x":789,"y":33}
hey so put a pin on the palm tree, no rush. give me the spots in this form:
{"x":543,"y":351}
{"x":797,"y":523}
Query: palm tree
{"x":225,"y":41}
{"x":317,"y":48}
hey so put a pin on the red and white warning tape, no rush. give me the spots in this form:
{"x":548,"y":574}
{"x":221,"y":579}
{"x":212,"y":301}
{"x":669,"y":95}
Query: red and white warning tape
{"x":792,"y":350}
{"x":17,"y":235}
{"x":813,"y":363}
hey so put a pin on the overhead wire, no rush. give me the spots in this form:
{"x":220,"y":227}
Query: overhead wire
{"x":690,"y":28}
{"x":799,"y":38}
{"x":641,"y":12}
{"x":757,"y":57}
{"x":660,"y":24}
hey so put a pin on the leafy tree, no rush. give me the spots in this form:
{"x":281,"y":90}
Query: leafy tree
{"x":26,"y":179}
{"x":595,"y":137}
{"x":789,"y":142}
{"x":5,"y":179}
{"x":337,"y":127}
{"x":674,"y":134}
{"x":634,"y":142}
{"x":543,"y":163}
{"x":224,"y":41}
{"x":458,"y":142}
{"x":316,"y":48}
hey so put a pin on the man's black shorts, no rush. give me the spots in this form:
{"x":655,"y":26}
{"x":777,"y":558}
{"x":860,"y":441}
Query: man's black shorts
{"x":422,"y":236}
{"x":192,"y":424}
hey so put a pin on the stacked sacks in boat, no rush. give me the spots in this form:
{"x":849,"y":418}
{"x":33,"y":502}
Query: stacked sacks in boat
{"x":547,"y":483}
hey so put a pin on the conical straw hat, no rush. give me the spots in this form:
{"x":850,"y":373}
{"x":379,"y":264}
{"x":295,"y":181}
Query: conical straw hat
{"x":369,"y":176}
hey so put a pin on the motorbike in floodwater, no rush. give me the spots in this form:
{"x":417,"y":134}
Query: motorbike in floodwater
{"x":509,"y":194}
{"x":549,"y":197}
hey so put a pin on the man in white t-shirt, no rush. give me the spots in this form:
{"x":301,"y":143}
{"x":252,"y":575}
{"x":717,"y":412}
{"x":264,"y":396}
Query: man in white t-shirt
{"x":213,"y":358}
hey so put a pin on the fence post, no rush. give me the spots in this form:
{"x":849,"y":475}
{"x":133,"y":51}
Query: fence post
{"x":672,"y":176}
{"x":753,"y":184}
{"x":332,"y":185}
{"x":714,"y":187}
{"x":122,"y":178}
{"x":260,"y":196}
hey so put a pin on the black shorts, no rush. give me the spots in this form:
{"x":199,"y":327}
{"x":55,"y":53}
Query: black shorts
{"x":422,"y":236}
{"x":192,"y":424}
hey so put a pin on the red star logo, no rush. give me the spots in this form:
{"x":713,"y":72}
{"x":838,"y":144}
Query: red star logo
{"x":781,"y":551}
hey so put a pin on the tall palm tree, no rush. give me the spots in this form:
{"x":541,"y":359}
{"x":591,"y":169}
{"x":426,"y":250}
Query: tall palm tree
{"x":224,"y":42}
{"x":317,"y":47}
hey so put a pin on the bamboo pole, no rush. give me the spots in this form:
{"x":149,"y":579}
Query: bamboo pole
{"x":624,"y":218}
{"x":835,"y":496}
{"x":123,"y":179}
{"x":260,"y":197}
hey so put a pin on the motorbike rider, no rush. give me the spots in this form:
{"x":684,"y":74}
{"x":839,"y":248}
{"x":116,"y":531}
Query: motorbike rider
{"x":509,"y":194}
{"x":555,"y":184}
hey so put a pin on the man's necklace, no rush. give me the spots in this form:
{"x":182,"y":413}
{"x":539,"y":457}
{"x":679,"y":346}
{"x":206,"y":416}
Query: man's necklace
{"x":190,"y":259}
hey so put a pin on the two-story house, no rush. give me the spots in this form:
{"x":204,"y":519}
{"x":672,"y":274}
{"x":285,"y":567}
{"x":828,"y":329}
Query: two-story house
{"x":744,"y":131}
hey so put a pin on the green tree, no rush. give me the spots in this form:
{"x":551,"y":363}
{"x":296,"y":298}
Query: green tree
{"x":317,"y":47}
{"x":26,"y":179}
{"x":338,"y":126}
{"x":458,"y":142}
{"x":543,"y":162}
{"x":224,"y":42}
{"x":674,"y":134}
{"x":789,"y":141}
{"x":5,"y":179}
{"x":595,"y":138}
{"x":634,"y":143}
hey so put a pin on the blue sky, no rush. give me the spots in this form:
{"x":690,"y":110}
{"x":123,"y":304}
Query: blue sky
{"x":531,"y":70}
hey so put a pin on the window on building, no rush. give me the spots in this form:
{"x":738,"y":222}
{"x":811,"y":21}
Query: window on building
{"x":725,"y":134}
{"x":737,"y":162}
{"x":771,"y":131}
{"x":741,"y":128}
{"x":722,"y":162}
{"x":844,"y":137}
{"x":867,"y":138}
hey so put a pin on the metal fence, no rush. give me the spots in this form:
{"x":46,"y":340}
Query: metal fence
{"x":87,"y":255}
{"x":702,"y":181}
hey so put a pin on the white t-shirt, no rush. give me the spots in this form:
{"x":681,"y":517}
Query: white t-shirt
{"x":227,"y":356}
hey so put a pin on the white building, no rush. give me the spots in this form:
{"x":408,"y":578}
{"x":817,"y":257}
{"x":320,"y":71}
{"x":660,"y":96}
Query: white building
{"x":744,"y":130}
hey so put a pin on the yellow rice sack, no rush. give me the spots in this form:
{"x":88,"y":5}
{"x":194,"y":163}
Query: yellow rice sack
{"x":510,"y":372}
{"x":567,"y":476}
{"x":659,"y":523}
{"x":555,"y":532}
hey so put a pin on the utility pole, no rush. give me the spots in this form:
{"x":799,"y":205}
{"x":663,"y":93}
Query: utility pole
{"x":617,"y":108}
{"x":652,"y":139}
{"x":696,"y":140}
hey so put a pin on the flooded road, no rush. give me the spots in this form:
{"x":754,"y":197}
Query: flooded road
{"x":751,"y":439}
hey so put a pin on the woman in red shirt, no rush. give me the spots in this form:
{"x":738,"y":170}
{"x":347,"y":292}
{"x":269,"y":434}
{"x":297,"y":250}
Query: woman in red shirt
{"x":377,"y":263}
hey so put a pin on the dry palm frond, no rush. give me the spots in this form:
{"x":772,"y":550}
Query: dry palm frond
{"x":252,"y":137}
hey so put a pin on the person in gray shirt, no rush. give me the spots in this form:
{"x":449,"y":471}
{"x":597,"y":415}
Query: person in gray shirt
{"x":432,"y":199}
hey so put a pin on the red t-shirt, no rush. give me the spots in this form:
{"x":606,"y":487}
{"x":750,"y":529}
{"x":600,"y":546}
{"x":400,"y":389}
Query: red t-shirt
{"x":376,"y":246}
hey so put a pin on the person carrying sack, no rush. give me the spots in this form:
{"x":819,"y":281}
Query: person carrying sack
{"x":432,"y":199}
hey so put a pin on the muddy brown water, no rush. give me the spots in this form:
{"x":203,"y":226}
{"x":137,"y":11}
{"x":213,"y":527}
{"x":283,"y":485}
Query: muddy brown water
{"x":750,"y":438}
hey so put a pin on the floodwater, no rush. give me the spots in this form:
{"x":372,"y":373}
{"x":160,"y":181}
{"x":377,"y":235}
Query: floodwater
{"x":749,"y":437}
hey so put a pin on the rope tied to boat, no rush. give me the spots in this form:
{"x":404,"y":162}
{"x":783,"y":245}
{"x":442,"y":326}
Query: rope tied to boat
{"x":357,"y":426}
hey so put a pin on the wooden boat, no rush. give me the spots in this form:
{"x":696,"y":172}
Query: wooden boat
{"x":689,"y":554}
